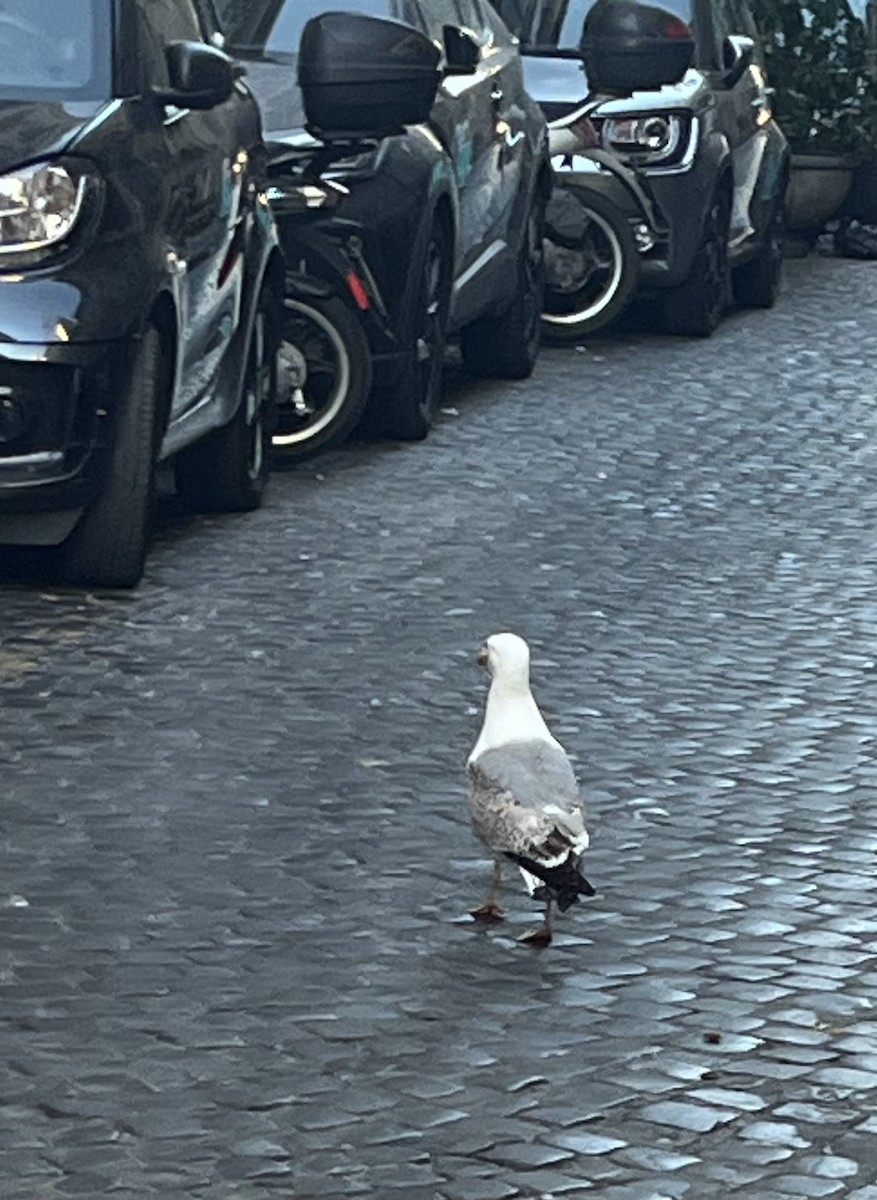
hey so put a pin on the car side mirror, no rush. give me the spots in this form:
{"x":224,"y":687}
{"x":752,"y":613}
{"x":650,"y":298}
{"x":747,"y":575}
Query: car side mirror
{"x":462,"y":52}
{"x":200,"y":76}
{"x":738,"y":54}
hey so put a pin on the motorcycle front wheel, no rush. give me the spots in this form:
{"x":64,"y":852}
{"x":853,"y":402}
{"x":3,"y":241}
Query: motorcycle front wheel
{"x":325,"y":376}
{"x":592,"y":278}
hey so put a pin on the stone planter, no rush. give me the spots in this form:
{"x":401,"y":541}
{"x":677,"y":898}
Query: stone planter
{"x":818,"y":186}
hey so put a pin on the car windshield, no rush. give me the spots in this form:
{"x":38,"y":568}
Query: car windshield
{"x":272,"y":28}
{"x":55,"y":51}
{"x":548,"y":25}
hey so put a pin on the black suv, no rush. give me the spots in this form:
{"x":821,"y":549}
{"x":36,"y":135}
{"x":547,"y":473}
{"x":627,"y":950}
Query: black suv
{"x":715,"y":160}
{"x":140,"y":276}
{"x":445,"y":214}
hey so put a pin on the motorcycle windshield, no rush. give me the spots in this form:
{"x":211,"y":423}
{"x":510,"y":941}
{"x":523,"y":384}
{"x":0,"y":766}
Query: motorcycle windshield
{"x":552,"y":26}
{"x":55,"y":51}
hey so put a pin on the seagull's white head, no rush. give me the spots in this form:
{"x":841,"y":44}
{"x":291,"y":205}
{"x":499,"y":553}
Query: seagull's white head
{"x":507,"y":658}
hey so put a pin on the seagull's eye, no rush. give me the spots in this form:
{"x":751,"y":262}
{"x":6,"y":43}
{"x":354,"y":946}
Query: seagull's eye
{"x":482,"y":657}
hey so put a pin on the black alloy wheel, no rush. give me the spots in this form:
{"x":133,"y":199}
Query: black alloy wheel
{"x":507,"y":345}
{"x":410,"y":404}
{"x":109,"y":545}
{"x":228,"y":471}
{"x":696,"y":306}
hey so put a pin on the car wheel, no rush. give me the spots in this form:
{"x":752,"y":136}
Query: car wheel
{"x":695,"y":307}
{"x":590,"y":282}
{"x":325,"y":376}
{"x":757,"y":282}
{"x":409,"y":405}
{"x":228,"y":470}
{"x":108,"y":547}
{"x":507,"y":345}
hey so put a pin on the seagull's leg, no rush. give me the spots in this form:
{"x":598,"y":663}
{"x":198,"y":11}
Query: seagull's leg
{"x":544,"y":934}
{"x":490,"y":910}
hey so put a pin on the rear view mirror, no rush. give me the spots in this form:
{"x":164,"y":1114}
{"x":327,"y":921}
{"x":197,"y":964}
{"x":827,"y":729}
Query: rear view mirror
{"x":200,"y":76}
{"x":628,"y":47}
{"x":365,"y":77}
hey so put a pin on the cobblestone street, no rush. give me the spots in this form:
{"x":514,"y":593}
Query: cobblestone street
{"x":236,"y":863}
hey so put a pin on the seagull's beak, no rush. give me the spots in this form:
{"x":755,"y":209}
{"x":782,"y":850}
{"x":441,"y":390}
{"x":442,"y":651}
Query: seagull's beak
{"x":482,"y":657}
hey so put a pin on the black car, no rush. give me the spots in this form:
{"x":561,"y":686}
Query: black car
{"x":713,"y":157}
{"x":444,"y":219}
{"x":140,"y":277}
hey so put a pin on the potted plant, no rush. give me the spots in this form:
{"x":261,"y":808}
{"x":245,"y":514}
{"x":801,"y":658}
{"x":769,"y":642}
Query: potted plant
{"x":819,"y":63}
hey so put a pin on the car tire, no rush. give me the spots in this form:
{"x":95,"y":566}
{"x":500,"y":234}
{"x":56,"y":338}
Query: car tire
{"x":757,"y":282}
{"x":506,"y":346}
{"x":109,"y":545}
{"x":695,"y":307}
{"x":326,"y":376}
{"x":409,"y":404}
{"x":583,"y":304}
{"x":228,"y":470}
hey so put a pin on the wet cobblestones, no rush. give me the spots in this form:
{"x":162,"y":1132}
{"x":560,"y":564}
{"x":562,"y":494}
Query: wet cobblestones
{"x":235,"y":861}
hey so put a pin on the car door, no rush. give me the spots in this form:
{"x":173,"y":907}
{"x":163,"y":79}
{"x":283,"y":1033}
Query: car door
{"x":204,"y":167}
{"x":742,"y":102}
{"x":465,"y":117}
{"x":517,"y":120}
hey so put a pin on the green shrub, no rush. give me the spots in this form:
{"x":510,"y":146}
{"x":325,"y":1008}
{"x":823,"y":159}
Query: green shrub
{"x":818,"y":62}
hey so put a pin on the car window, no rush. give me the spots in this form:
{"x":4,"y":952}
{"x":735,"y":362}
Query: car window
{"x":499,"y":34}
{"x":160,"y":23}
{"x":437,"y":14}
{"x":55,"y":51}
{"x":257,"y":28}
{"x":471,"y":17}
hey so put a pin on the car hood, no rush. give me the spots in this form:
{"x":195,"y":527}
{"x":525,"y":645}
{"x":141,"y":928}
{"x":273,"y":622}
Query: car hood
{"x":563,"y":80}
{"x":274,"y":86}
{"x":30,"y":130}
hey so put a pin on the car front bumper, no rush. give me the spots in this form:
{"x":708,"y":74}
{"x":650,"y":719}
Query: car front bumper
{"x":56,"y":407}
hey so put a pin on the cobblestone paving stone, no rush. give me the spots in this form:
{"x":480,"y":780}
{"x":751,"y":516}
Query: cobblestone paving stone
{"x":235,"y":863}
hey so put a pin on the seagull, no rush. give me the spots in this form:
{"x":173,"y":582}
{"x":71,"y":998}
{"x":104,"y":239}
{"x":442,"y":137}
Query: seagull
{"x":523,"y":796}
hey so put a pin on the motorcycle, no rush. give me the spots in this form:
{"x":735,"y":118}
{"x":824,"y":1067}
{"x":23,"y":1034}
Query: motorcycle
{"x":600,"y":220}
{"x":603,"y":218}
{"x":325,"y":364}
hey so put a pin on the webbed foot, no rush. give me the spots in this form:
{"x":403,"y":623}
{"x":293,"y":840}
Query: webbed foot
{"x":488,"y":912}
{"x":537,"y":937}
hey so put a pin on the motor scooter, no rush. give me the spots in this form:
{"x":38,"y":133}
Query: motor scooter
{"x":325,"y":364}
{"x":602,"y":218}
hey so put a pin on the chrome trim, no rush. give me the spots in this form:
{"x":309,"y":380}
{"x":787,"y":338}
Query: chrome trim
{"x":688,"y":157}
{"x":483,"y":260}
{"x":42,"y":458}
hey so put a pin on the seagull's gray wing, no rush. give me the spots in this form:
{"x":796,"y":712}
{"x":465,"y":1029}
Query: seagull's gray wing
{"x":524,"y":799}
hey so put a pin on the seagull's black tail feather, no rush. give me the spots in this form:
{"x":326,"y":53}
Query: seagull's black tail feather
{"x":563,"y":884}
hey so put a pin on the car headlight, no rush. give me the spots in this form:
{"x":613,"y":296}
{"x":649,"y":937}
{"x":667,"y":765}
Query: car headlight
{"x":653,"y":139}
{"x":39,"y":206}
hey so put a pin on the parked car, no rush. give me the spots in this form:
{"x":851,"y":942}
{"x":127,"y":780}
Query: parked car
{"x":140,"y":277}
{"x":446,"y":213}
{"x":715,"y":160}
